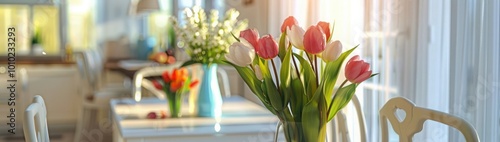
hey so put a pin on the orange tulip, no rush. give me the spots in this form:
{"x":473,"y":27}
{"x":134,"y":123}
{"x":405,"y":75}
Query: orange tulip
{"x":193,"y":84}
{"x":166,"y":77}
{"x":176,"y":85}
{"x":175,"y":80}
{"x":174,"y":75}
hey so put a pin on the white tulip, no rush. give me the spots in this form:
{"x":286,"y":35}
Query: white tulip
{"x":295,"y":35}
{"x":332,"y":51}
{"x":241,"y":53}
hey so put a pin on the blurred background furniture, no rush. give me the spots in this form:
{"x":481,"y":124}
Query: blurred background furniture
{"x":94,"y":121}
{"x":35,"y":121}
{"x":414,"y":119}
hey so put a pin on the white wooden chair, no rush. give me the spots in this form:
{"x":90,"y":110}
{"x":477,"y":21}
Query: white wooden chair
{"x":95,"y":109}
{"x":340,"y":130}
{"x":415,"y":118}
{"x":35,"y":121}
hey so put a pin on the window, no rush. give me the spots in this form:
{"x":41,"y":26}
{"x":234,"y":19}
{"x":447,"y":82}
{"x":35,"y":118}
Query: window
{"x":81,"y":24}
{"x":45,"y":21}
{"x":15,"y":16}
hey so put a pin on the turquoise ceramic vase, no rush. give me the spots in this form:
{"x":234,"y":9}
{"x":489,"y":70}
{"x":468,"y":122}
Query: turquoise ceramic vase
{"x":209,"y":97}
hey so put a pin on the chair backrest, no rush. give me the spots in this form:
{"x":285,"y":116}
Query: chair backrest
{"x":91,"y":66}
{"x":340,"y":129}
{"x":35,"y":121}
{"x":87,"y":67}
{"x":138,"y":82}
{"x":415,"y":118}
{"x":96,"y":66}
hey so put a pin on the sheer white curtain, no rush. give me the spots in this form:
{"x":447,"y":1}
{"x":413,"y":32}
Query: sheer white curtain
{"x":445,"y":56}
{"x":475,"y":65}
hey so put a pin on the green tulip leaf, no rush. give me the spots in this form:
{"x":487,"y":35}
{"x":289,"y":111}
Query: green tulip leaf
{"x":282,"y":46}
{"x":253,"y":83}
{"x":331,"y":73}
{"x":308,"y":76}
{"x":341,"y":99}
{"x":271,"y":90}
{"x":285,"y":78}
{"x":266,"y":97}
{"x":314,"y":116}
{"x":331,"y":33}
{"x":297,"y":98}
{"x":188,"y":63}
{"x":222,"y":62}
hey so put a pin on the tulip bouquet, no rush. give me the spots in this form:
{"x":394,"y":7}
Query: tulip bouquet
{"x":175,"y":84}
{"x":301,"y":93}
{"x":207,"y":39}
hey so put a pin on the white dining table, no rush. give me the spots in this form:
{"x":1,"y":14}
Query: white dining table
{"x":241,"y":121}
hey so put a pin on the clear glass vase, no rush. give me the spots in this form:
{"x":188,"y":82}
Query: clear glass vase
{"x":298,"y":132}
{"x":174,"y":104}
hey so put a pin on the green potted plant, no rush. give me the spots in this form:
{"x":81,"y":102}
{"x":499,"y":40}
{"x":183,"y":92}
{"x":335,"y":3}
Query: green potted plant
{"x":36,"y":45}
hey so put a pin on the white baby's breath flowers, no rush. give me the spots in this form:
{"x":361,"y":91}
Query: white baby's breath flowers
{"x":207,"y":38}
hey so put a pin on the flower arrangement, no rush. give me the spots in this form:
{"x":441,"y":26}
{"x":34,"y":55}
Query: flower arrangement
{"x":301,"y":93}
{"x":207,"y":38}
{"x":175,"y":84}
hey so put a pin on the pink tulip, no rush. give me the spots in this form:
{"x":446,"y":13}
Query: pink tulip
{"x":357,"y":70}
{"x":251,"y":35}
{"x":288,"y":23}
{"x":314,"y":40}
{"x":325,"y":26}
{"x":268,"y":48}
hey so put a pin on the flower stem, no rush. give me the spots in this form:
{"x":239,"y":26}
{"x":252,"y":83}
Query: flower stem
{"x":296,"y":67}
{"x":253,"y":68}
{"x":316,"y":65}
{"x":330,"y":106}
{"x":276,"y":75}
{"x":310,"y":61}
